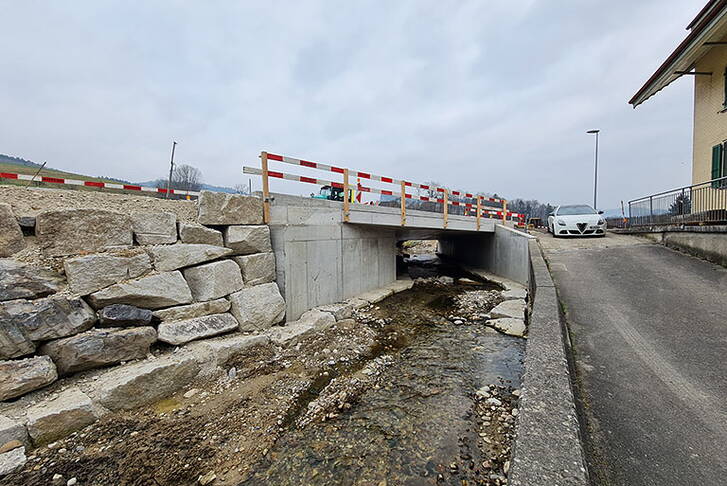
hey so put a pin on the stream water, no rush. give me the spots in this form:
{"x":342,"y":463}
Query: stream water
{"x":418,"y":423}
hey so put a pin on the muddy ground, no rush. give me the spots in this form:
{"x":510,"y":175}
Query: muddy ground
{"x":400,"y":395}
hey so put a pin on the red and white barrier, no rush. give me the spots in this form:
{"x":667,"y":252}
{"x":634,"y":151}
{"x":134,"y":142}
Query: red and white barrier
{"x":105,"y":185}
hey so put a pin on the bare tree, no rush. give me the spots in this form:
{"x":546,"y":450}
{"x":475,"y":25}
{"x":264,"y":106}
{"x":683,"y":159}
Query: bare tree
{"x":186,"y":178}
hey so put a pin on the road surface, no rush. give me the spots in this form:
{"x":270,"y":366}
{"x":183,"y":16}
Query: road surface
{"x":649,"y":333}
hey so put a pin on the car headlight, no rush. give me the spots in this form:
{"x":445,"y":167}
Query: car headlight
{"x":601,"y":222}
{"x":561,"y":222}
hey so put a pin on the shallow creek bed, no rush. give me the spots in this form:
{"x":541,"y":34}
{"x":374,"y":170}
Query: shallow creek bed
{"x":406,"y":393}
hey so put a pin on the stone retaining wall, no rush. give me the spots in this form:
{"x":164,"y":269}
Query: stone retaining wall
{"x":83,"y":288}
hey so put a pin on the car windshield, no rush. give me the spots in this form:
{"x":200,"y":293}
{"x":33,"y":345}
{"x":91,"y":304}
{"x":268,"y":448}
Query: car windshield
{"x":572,"y":210}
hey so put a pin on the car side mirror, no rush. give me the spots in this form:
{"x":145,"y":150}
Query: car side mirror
{"x":551,"y":214}
{"x":600,"y":212}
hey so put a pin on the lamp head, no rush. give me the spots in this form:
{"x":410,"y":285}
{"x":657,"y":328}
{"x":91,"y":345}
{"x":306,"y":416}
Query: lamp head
{"x":593,"y":131}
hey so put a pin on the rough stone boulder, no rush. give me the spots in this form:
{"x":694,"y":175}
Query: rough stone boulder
{"x":509,"y":325}
{"x":343,"y":310}
{"x":54,"y":419}
{"x":259,"y":307}
{"x":214,"y":280}
{"x":152,"y":292}
{"x":510,"y":308}
{"x":246,"y":240}
{"x":21,"y":281}
{"x":122,"y":315}
{"x":89,"y":273}
{"x":514,"y":293}
{"x":19,"y":377}
{"x":154,"y":228}
{"x":214,"y":353}
{"x":43,"y":319}
{"x":196,"y":233}
{"x":222,"y":208}
{"x":11,"y":236}
{"x":13,"y":342}
{"x":172,"y":257}
{"x":75,"y":231}
{"x":198,"y":309}
{"x":180,"y":332}
{"x":137,"y":384}
{"x":12,"y":430}
{"x":310,"y":322}
{"x":257,"y":269}
{"x":99,"y":347}
{"x":12,"y":461}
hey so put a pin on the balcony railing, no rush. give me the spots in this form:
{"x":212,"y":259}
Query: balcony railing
{"x":699,"y":204}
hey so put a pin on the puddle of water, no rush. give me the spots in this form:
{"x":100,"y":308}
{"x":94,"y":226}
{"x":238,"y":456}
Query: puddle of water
{"x":167,"y":405}
{"x":419,"y":422}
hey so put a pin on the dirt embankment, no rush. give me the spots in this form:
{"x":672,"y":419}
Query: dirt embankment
{"x":31,"y":201}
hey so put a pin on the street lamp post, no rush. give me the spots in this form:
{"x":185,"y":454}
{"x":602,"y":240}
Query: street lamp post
{"x":171,"y":169}
{"x":595,"y":176}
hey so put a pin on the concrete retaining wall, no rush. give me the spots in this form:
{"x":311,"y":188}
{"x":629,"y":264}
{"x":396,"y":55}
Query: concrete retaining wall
{"x":321,"y":260}
{"x":707,"y":242}
{"x":548,"y":448}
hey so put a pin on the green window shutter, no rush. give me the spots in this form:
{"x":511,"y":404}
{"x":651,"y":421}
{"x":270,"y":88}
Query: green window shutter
{"x":716,"y":164}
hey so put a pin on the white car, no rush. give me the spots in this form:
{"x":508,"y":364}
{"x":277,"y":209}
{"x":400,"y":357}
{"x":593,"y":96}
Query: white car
{"x":576,"y":220}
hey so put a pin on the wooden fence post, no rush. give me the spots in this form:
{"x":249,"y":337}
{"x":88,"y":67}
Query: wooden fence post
{"x":346,"y":201}
{"x":504,"y":211}
{"x":479,"y":210}
{"x":403,"y":203}
{"x":266,"y":188}
{"x":446,"y":208}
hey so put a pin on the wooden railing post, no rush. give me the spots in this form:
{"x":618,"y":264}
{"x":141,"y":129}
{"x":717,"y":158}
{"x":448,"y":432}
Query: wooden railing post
{"x":479,"y":211}
{"x":266,"y":188}
{"x":403,"y":203}
{"x":504,"y":211}
{"x":346,"y":200}
{"x":446,"y":208}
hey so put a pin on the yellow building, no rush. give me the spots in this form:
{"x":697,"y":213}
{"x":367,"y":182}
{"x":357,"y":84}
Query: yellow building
{"x":703,"y":55}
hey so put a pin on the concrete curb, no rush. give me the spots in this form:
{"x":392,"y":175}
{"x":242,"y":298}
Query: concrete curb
{"x":548,"y":448}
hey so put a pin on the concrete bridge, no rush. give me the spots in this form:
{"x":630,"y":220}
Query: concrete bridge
{"x":323,"y":259}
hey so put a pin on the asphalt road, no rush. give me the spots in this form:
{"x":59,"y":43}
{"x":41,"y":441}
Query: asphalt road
{"x":649,"y":333}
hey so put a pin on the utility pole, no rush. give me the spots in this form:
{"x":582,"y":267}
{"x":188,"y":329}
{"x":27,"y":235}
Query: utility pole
{"x":595,"y":177}
{"x":171,"y":169}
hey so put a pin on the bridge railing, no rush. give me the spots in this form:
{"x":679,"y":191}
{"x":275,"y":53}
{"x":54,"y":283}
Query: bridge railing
{"x":473,"y":205}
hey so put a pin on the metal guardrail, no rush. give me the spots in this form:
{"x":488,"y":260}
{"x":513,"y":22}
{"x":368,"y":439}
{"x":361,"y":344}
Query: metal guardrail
{"x":704,"y":203}
{"x":438,"y":197}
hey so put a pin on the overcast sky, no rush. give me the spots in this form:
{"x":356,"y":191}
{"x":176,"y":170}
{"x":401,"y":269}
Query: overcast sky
{"x":490,"y":95}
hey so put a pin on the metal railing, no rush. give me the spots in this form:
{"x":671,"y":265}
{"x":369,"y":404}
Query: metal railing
{"x":704,"y":203}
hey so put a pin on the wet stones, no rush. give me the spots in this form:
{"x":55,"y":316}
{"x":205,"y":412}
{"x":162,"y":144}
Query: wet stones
{"x":152,"y":292}
{"x":51,"y":420}
{"x":245,"y":240}
{"x":151,"y":228}
{"x":214,"y":280}
{"x":89,"y":273}
{"x":509,"y":326}
{"x":19,"y":377}
{"x":219,"y":208}
{"x":259,"y":307}
{"x":515,"y":293}
{"x":74,"y":231}
{"x":21,"y":281}
{"x":11,"y":236}
{"x":99,"y":347}
{"x":257,"y":269}
{"x":172,"y":257}
{"x":509,"y":309}
{"x":196,"y":233}
{"x":122,"y":315}
{"x":180,"y":332}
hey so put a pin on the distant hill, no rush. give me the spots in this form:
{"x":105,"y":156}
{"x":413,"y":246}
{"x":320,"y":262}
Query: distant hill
{"x":9,"y":159}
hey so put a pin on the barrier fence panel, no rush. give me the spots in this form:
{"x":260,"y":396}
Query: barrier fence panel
{"x":704,"y":203}
{"x":468,"y":203}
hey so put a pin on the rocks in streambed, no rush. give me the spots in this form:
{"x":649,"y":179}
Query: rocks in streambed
{"x":311,"y":321}
{"x":509,"y":325}
{"x":89,"y":273}
{"x":172,"y":257}
{"x":153,"y":292}
{"x":19,"y":377}
{"x":198,"y":309}
{"x":509,"y":308}
{"x":137,"y":384}
{"x":257,"y":308}
{"x":21,"y":281}
{"x":180,"y":332}
{"x":53,"y":419}
{"x":214,"y":280}
{"x":11,"y":236}
{"x":123,"y":315}
{"x":75,"y":231}
{"x":515,"y":293}
{"x":99,"y":347}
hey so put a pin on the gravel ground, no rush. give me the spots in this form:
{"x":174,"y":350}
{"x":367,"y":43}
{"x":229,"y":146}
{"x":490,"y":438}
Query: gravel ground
{"x":31,"y":201}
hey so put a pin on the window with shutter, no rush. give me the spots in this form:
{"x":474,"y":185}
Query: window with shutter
{"x":717,"y":162}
